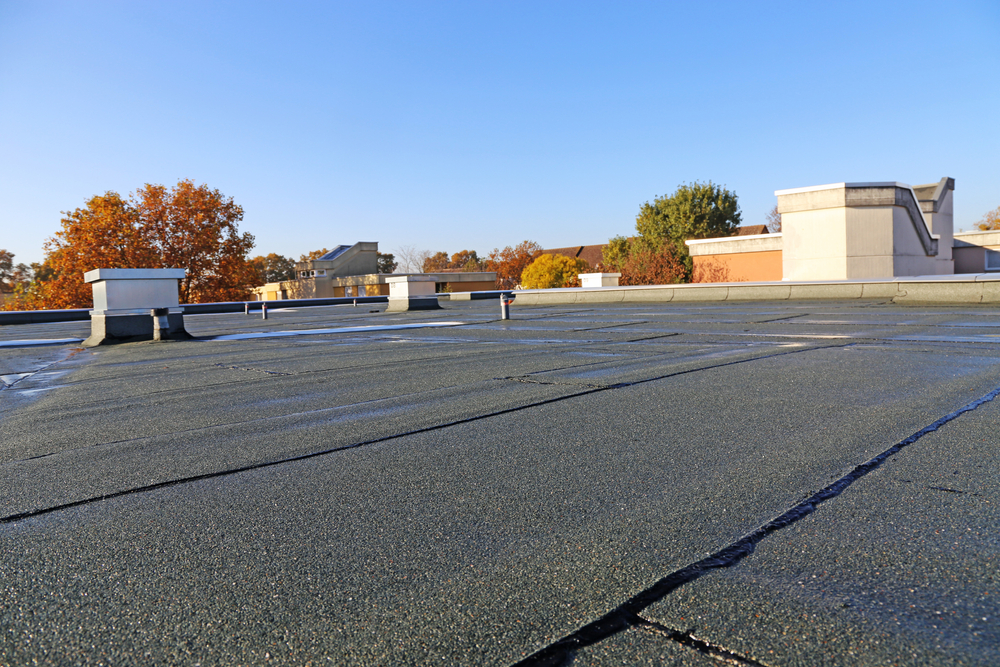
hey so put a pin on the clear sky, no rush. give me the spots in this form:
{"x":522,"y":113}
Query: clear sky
{"x":474,"y":125}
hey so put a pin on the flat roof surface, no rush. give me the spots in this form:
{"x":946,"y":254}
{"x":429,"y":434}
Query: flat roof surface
{"x":772,"y":483}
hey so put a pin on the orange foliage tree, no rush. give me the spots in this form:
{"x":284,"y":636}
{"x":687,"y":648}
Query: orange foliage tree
{"x":464,"y":260}
{"x":436,"y":262}
{"x":188,"y":226}
{"x":315,"y":254}
{"x":649,"y":265}
{"x":990,"y":221}
{"x":510,"y":263}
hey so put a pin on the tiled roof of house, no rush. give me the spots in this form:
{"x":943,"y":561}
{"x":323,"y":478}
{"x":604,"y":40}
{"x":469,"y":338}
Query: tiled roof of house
{"x":591,"y":254}
{"x":750,"y":230}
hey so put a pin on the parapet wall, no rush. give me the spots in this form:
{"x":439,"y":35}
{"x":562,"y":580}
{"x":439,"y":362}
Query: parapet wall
{"x":971,"y":288}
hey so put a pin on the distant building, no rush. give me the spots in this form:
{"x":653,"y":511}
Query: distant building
{"x":846,"y":231}
{"x":591,"y":254}
{"x":751,"y":230}
{"x":352,"y":270}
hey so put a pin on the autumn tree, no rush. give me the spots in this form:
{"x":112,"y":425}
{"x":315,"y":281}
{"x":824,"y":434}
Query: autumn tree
{"x":652,"y":265}
{"x":106,"y":233}
{"x":273,"y":268}
{"x":990,"y":221}
{"x":696,"y":211}
{"x":615,"y":253}
{"x":548,"y":271}
{"x":315,"y":254}
{"x":510,"y":263}
{"x":436,"y":262}
{"x":196,"y":228}
{"x":386,"y":262}
{"x":466,"y":260}
{"x":187,"y":226}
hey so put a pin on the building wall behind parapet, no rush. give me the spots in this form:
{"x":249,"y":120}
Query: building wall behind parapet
{"x":846,"y":231}
{"x":359,"y":259}
{"x":752,"y":258}
{"x":814,"y":244}
{"x":871,"y":241}
{"x":977,"y":252}
{"x":940,"y":214}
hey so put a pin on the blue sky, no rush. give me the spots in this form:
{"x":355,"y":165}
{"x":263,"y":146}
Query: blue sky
{"x":474,"y":125}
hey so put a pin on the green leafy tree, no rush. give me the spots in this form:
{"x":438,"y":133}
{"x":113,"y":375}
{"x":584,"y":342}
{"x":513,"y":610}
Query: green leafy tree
{"x":274,"y":268}
{"x":386,"y":262}
{"x":696,"y":211}
{"x":6,"y":270}
{"x":548,"y":271}
{"x":11,"y":274}
{"x":615,"y":253}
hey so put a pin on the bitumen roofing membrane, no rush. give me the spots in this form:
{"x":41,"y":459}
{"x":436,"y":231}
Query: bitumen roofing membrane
{"x":763,"y":483}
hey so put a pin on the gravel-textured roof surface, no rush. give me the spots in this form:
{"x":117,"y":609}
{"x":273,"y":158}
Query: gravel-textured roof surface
{"x":577,"y":485}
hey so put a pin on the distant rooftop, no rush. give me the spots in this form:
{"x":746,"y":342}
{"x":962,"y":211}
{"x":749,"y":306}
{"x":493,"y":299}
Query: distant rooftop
{"x":589,"y":253}
{"x":336,"y":252}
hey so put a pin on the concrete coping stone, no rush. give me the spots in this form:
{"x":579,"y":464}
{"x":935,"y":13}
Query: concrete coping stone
{"x":411,"y":279}
{"x":838,"y":186}
{"x":962,"y":288}
{"x":120,"y":312}
{"x":726,"y":245}
{"x":720,"y":239}
{"x":133,"y":274}
{"x":949,"y":278}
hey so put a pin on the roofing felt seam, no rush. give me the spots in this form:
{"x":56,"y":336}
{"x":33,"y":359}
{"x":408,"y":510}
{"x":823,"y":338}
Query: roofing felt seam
{"x":13,"y":518}
{"x":181,"y":390}
{"x":268,"y":464}
{"x":686,"y":638}
{"x":253,"y":370}
{"x":486,"y":542}
{"x":619,"y":385}
{"x":8,"y":381}
{"x":527,"y":380}
{"x":611,"y":326}
{"x":627,"y":615}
